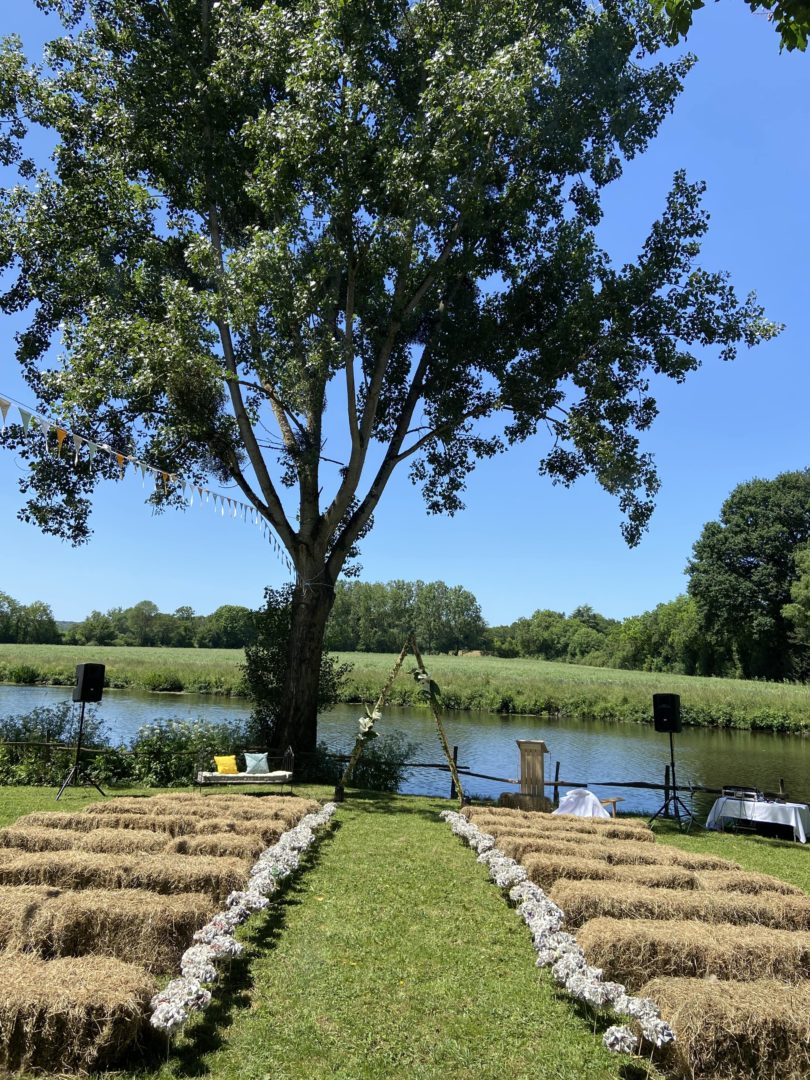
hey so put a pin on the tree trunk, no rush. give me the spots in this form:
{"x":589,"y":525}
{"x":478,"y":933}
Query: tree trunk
{"x":311,"y":605}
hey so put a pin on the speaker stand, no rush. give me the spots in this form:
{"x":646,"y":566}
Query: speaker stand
{"x":76,"y":772}
{"x":673,"y":800}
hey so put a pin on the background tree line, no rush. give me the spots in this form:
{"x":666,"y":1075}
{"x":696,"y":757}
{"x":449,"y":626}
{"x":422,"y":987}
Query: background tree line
{"x":746,"y":613}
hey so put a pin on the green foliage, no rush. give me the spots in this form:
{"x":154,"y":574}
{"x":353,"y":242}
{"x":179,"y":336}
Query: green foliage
{"x":31,"y":624}
{"x":23,"y":674}
{"x":376,"y":617}
{"x":382,"y":764}
{"x":266,"y":665}
{"x":43,"y":764}
{"x":167,"y":753}
{"x":743,"y":568}
{"x":791,"y":18}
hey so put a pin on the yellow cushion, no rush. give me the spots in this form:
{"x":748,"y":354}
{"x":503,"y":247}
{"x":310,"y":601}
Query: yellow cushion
{"x":226,"y":764}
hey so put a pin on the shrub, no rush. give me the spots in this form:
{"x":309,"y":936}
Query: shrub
{"x":162,"y":680}
{"x":167,"y":753}
{"x":23,"y":674}
{"x":47,"y":724}
{"x":382,"y":764}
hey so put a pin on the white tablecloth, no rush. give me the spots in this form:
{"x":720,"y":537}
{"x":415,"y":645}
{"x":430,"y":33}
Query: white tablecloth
{"x":796,"y":815}
{"x":582,"y":803}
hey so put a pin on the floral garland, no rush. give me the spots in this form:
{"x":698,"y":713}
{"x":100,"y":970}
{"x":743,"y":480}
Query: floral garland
{"x":559,"y":950}
{"x":215,"y":941}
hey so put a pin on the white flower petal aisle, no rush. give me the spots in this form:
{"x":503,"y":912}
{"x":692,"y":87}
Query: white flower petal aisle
{"x":215,"y":942}
{"x":559,"y":950}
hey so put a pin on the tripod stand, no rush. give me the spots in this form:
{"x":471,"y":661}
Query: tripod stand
{"x":76,"y":771}
{"x":673,"y":799}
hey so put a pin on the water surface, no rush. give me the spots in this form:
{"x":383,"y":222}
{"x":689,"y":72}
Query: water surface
{"x":588,"y":751}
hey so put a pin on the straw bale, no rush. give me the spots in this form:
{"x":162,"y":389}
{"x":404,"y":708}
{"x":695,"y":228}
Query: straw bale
{"x":569,"y":826}
{"x":198,"y":810}
{"x":745,"y":882}
{"x":584,"y":900}
{"x":70,"y":1014}
{"x":735,"y":1030}
{"x":168,"y":825}
{"x":110,"y":840}
{"x":164,"y":873}
{"x":130,"y":924}
{"x":632,"y":951}
{"x":544,"y":870}
{"x":249,"y":846}
{"x":537,"y":817}
{"x":616,"y":852}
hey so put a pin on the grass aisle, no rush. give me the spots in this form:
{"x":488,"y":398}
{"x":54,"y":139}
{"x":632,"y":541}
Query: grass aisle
{"x":392,"y":956}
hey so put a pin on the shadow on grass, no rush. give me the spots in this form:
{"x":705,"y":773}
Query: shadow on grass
{"x":598,"y":1021}
{"x":204,"y":1034}
{"x":381,"y":802}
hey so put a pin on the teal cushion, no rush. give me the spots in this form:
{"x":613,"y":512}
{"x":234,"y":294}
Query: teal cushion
{"x":256,"y":763}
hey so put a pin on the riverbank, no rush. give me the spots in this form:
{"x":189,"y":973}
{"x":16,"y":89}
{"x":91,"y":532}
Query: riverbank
{"x":483,"y":683}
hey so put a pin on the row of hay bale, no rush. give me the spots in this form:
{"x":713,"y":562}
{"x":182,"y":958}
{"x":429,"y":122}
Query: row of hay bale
{"x":725,"y":953}
{"x":95,"y":905}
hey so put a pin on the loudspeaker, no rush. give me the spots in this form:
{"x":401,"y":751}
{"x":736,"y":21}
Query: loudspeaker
{"x":667,"y":712}
{"x":89,"y":682}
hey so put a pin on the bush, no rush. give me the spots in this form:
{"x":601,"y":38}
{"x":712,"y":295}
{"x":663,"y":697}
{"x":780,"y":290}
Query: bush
{"x":23,"y":674}
{"x":44,"y":764}
{"x":162,"y":680}
{"x":382,"y":764}
{"x":167,"y":753}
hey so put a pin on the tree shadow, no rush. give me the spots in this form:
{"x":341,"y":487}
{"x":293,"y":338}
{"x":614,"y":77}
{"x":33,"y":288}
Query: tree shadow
{"x":381,"y":802}
{"x":205,"y":1033}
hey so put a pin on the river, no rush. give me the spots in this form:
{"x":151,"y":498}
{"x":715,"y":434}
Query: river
{"x":589,"y":752}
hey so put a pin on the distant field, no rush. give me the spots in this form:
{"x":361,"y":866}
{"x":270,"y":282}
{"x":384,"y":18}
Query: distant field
{"x":487,"y":683}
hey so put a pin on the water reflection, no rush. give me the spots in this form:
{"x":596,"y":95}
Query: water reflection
{"x":589,"y":752}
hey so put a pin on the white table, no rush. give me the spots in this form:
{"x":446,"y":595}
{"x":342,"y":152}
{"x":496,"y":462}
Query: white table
{"x":795,"y":815}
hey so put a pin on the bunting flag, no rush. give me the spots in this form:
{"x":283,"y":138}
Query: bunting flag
{"x":237,"y":509}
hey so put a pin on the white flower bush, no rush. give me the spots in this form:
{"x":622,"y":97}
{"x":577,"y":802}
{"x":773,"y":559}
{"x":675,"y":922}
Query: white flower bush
{"x":559,"y":950}
{"x":214,"y":943}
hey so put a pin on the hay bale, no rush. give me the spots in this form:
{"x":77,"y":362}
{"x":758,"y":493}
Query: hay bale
{"x":247,"y":847}
{"x":586,"y":900}
{"x":168,"y":825}
{"x":129,"y":924}
{"x":111,"y":840}
{"x":617,"y":852}
{"x":72,"y":1014}
{"x":164,"y":873}
{"x":632,"y":951}
{"x":544,"y":870}
{"x":201,"y":809}
{"x":736,"y":1030}
{"x":473,"y":813}
{"x":570,"y":826}
{"x":746,"y":882}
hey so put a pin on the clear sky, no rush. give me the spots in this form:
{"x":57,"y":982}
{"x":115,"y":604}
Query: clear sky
{"x":741,"y":125}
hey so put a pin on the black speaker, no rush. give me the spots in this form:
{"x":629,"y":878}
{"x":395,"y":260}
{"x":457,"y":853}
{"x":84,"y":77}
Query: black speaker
{"x":89,"y":682}
{"x":667,"y":712}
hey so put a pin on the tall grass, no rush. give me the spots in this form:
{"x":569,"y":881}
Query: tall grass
{"x":486,"y":683}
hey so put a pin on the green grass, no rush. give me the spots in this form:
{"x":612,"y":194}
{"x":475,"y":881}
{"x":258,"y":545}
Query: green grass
{"x":486,"y":683}
{"x":390,"y":956}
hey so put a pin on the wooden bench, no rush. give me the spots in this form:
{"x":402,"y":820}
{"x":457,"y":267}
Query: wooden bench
{"x":282,"y":776}
{"x":612,"y":803}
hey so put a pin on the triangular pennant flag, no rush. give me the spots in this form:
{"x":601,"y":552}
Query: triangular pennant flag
{"x":92,"y":450}
{"x":44,"y":425}
{"x":61,"y":435}
{"x":26,"y":418}
{"x":77,"y":445}
{"x":4,"y":407}
{"x":121,"y":463}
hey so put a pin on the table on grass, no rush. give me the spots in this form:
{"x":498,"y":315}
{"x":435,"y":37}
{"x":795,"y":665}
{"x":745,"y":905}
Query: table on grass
{"x":795,"y":815}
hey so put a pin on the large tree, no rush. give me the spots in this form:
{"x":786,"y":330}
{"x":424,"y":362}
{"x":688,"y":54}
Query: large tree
{"x":257,"y":209}
{"x":744,"y":567}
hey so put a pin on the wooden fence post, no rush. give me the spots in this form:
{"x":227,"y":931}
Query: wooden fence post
{"x":452,"y":782}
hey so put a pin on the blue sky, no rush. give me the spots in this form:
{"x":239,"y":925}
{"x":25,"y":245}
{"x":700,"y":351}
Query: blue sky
{"x":522,"y":544}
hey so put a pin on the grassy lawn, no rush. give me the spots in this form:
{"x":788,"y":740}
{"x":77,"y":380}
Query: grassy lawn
{"x":487,"y":683}
{"x":391,"y":956}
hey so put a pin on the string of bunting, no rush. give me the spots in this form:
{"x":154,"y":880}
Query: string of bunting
{"x":235,"y":509}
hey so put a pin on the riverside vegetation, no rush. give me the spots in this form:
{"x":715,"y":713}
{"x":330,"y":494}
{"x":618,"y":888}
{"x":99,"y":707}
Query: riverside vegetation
{"x":486,"y":683}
